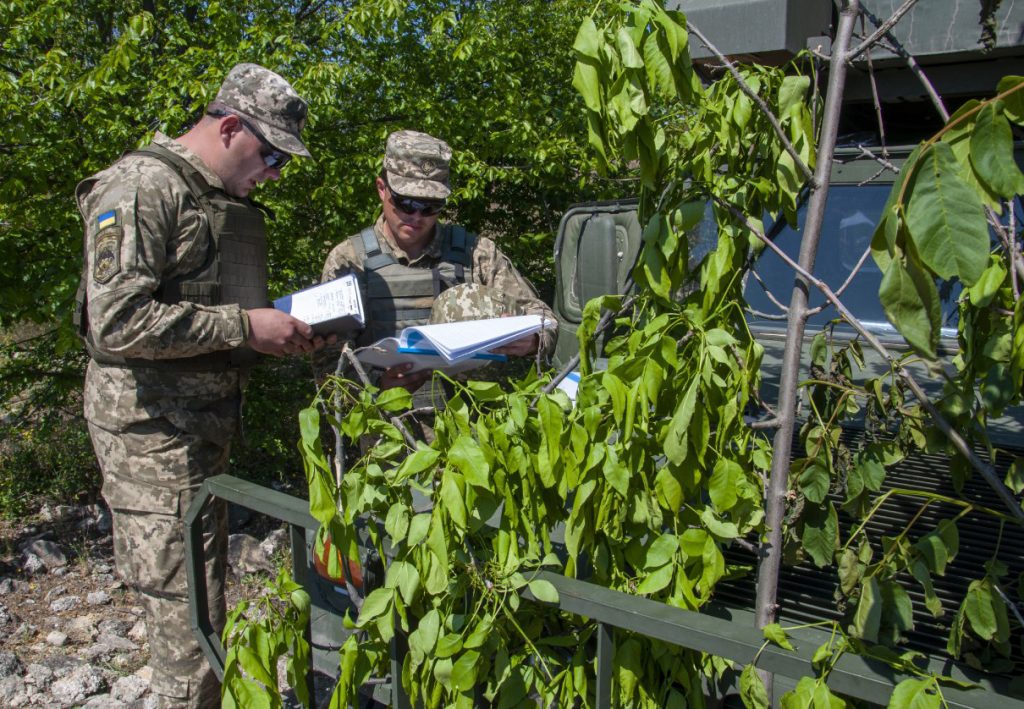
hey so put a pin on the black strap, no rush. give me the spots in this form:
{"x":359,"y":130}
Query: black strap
{"x":374,"y":258}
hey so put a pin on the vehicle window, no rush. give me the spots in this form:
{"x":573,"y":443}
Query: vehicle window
{"x":851,"y":214}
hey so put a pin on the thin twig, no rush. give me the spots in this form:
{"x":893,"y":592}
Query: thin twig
{"x":361,"y":373}
{"x":753,"y":96}
{"x":767,"y":292}
{"x":878,"y":103}
{"x":883,"y":28}
{"x":849,"y":279}
{"x":880,"y":159}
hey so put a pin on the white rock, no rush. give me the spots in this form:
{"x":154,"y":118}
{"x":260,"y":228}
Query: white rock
{"x":57,"y":638}
{"x":49,"y":553}
{"x":82,"y":628}
{"x":5,"y":617}
{"x":275,"y":542}
{"x":138,"y":632}
{"x":83,"y":682}
{"x":245,"y":556}
{"x":39,"y":675}
{"x":13,"y":692}
{"x":55,"y":592}
{"x":65,"y":604}
{"x":98,"y":598}
{"x":130,"y":688}
{"x":10,"y":665}
{"x":33,"y":564}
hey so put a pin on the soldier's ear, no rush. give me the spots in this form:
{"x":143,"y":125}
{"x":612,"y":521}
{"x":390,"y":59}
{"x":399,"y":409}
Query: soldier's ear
{"x":228,"y":128}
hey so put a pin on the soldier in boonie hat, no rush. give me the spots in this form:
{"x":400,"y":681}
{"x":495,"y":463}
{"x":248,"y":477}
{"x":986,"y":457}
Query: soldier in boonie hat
{"x":416,"y":165}
{"x":268,"y":101}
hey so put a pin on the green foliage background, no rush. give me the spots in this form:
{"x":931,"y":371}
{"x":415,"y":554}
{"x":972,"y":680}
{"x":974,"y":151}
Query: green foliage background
{"x":81,"y":81}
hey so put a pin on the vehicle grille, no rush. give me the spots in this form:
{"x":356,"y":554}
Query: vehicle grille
{"x":808,"y":594}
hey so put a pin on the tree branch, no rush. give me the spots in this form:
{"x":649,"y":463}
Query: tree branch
{"x":766,"y":609}
{"x":361,"y":373}
{"x":883,"y":28}
{"x":753,"y":96}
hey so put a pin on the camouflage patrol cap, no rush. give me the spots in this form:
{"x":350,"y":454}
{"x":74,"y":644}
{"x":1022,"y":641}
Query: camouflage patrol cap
{"x":469,"y":301}
{"x":416,"y":165}
{"x":269,"y":102}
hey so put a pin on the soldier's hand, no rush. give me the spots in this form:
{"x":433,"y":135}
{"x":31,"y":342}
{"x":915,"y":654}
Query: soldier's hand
{"x":523,"y":347}
{"x":275,"y":333}
{"x":400,"y":376}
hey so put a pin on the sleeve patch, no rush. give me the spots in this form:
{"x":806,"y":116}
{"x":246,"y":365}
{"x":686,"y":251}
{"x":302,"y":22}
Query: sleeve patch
{"x":107,"y":256}
{"x":107,"y":219}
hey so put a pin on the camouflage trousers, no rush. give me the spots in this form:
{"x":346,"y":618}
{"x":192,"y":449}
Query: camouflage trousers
{"x":151,"y":472}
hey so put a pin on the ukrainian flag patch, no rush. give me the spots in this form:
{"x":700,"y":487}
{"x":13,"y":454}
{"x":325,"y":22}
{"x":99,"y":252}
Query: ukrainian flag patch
{"x":107,"y":219}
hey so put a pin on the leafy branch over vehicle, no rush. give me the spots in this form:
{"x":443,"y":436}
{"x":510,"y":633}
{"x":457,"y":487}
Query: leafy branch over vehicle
{"x":656,"y":469}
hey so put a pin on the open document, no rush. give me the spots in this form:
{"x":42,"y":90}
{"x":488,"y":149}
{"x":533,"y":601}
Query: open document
{"x":329,"y":307}
{"x":451,"y":347}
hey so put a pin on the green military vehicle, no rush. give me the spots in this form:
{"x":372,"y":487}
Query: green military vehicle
{"x":596,"y":248}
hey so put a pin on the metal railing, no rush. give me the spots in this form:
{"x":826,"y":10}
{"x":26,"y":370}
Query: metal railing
{"x":724,"y":632}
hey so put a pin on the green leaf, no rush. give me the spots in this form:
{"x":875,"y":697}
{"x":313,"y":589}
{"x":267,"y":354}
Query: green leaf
{"x":726,"y":481}
{"x":658,"y":64}
{"x":1013,"y":102}
{"x":586,"y":80}
{"x":791,"y":93}
{"x":992,"y":153}
{"x":656,"y":580}
{"x":397,"y":522}
{"x":752,"y":689}
{"x":588,"y":39}
{"x":416,"y":463}
{"x":814,"y":482}
{"x":375,"y":605}
{"x":821,"y":534}
{"x":394,"y":399}
{"x":988,"y":285}
{"x":465,"y":454}
{"x":911,"y":302}
{"x":868,"y":617}
{"x":775,"y":633}
{"x":627,"y":50}
{"x":448,"y":645}
{"x":464,"y":671}
{"x":676,"y":434}
{"x":661,"y":551}
{"x":405,"y":577}
{"x":418,"y":528}
{"x":543,"y":591}
{"x":978,"y":606}
{"x":454,"y":501}
{"x":915,"y":694}
{"x":945,"y":218}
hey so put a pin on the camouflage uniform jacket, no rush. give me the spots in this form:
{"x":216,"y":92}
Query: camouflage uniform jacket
{"x":489,"y":267}
{"x":162,"y":235}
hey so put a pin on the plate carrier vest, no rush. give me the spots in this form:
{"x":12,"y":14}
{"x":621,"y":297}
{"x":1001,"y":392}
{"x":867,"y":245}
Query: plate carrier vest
{"x":235,"y":269}
{"x":400,"y":296}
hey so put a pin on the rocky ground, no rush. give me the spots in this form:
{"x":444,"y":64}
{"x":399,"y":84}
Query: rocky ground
{"x":71,"y":634}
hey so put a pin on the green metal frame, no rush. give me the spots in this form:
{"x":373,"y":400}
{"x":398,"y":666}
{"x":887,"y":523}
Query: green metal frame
{"x":727,"y":633}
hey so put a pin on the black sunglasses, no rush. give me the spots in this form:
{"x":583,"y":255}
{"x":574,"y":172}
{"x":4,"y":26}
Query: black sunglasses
{"x":272,"y":157}
{"x":408,"y":205}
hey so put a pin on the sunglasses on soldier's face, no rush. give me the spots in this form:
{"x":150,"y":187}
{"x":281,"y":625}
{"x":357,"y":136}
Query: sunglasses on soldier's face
{"x":272,"y":157}
{"x":408,"y":205}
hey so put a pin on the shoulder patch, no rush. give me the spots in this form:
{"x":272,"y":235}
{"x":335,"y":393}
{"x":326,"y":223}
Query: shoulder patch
{"x":107,"y":253}
{"x":107,"y":219}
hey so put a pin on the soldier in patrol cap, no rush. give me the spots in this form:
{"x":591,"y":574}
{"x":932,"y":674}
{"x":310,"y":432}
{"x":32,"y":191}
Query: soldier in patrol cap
{"x":408,"y":258}
{"x":173,"y":309}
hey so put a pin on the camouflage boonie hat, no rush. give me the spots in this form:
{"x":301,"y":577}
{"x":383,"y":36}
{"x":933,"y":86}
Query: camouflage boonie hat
{"x":269,"y":102}
{"x":416,"y":165}
{"x":469,"y":301}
